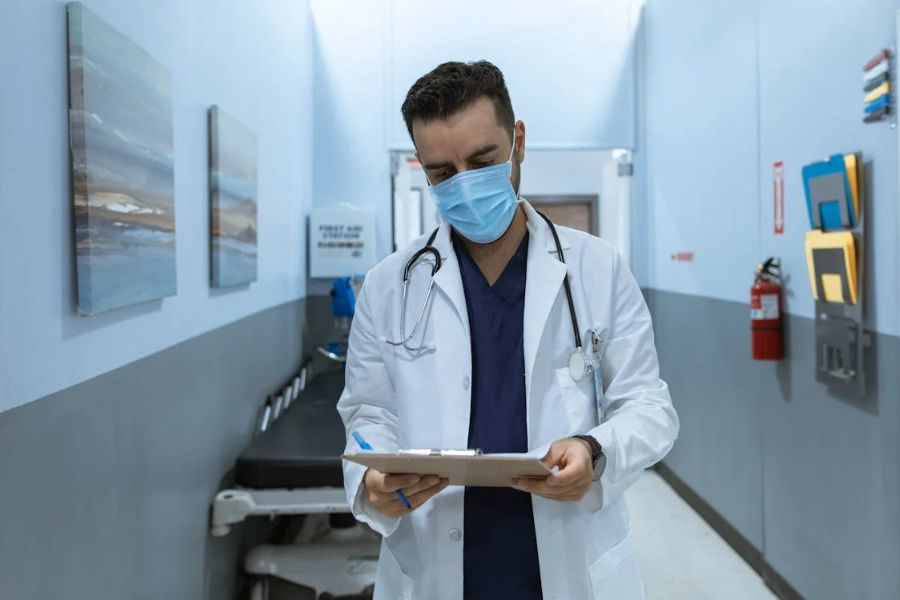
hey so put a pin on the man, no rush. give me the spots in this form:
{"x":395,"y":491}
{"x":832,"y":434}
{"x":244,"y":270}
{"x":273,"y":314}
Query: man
{"x":487,"y":367}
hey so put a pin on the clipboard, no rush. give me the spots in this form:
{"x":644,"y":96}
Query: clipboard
{"x":462,"y":468}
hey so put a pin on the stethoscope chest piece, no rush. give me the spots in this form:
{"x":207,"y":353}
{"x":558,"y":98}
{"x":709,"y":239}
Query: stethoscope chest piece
{"x":578,"y":365}
{"x":587,"y":364}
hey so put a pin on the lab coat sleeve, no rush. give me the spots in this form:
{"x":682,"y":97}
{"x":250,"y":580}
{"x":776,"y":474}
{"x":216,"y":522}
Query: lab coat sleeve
{"x":640,"y":424}
{"x":367,"y":406}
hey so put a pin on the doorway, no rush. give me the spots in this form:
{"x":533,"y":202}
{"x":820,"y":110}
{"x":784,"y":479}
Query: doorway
{"x":588,"y":190}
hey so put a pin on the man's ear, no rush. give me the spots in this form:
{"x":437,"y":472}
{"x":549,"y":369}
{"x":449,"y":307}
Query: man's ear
{"x":520,"y":140}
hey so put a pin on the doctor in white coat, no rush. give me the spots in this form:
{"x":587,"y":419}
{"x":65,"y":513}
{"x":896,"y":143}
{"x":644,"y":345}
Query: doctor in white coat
{"x":419,"y":395}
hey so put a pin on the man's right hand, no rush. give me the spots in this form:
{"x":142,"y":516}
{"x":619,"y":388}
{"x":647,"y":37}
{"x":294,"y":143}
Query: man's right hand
{"x":381,"y":491}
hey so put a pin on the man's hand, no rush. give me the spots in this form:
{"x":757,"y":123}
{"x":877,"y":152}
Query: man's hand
{"x":575,"y":475}
{"x":380,"y":490}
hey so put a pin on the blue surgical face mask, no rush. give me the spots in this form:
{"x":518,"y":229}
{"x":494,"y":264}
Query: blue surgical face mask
{"x":480,"y":204}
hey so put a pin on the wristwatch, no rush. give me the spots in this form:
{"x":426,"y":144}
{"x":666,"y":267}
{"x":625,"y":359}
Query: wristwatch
{"x":598,"y":458}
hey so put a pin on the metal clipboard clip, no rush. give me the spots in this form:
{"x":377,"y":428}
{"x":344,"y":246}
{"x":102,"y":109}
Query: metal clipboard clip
{"x":439,"y":452}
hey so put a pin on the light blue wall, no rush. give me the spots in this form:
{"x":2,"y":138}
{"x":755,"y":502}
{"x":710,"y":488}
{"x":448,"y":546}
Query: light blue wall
{"x":727,"y":88}
{"x":732,"y":87}
{"x":251,"y":58}
{"x":569,"y":67}
{"x":350,"y":138}
{"x":701,"y":153}
{"x":810,"y":62}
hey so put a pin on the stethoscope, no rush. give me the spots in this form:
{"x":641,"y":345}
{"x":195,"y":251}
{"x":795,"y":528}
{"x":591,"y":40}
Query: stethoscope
{"x":581,"y":361}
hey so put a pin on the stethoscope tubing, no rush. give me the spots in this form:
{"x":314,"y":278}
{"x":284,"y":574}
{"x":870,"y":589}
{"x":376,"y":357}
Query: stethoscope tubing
{"x":428,"y":248}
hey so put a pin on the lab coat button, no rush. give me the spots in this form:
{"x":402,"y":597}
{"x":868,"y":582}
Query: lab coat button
{"x":466,"y":382}
{"x":455,"y":534}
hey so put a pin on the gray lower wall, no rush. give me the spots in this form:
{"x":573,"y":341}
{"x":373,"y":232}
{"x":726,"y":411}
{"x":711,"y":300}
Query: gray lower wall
{"x":812,"y":480}
{"x":105,"y":487}
{"x":320,"y":319}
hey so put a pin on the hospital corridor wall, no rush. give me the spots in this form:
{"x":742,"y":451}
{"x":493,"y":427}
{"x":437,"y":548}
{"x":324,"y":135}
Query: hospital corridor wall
{"x":117,"y":430}
{"x":804,"y":481}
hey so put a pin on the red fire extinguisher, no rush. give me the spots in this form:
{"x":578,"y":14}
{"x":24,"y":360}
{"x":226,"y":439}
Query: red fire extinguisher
{"x":767,"y":327}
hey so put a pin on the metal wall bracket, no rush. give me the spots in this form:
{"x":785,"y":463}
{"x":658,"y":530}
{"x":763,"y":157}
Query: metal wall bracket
{"x":840,"y":350}
{"x":233,"y":506}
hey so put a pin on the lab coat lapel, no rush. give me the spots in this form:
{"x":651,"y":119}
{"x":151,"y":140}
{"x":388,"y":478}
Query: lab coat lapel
{"x":448,"y":280}
{"x":453,"y":381}
{"x":543,"y":286}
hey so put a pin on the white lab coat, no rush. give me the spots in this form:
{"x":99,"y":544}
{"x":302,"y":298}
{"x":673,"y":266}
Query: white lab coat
{"x":398,"y":399}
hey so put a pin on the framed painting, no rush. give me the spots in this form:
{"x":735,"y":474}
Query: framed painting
{"x":121,"y":142}
{"x":233,"y":200}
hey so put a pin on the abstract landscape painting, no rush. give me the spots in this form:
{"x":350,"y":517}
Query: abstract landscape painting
{"x":120,"y":130}
{"x":233,"y":200}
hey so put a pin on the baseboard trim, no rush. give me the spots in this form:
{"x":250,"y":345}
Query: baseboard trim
{"x":773,"y":580}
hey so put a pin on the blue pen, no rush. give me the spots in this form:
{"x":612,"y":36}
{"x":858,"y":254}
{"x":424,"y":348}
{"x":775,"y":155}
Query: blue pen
{"x":365,"y":446}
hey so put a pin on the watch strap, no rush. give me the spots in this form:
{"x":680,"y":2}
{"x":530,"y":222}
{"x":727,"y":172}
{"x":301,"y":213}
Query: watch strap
{"x":596,"y":449}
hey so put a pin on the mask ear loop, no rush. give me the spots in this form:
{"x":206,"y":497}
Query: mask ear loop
{"x":509,"y":160}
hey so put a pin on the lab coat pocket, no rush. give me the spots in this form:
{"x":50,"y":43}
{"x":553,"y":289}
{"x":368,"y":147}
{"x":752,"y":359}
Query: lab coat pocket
{"x":615,"y":574}
{"x":576,"y":402}
{"x":391,"y":582}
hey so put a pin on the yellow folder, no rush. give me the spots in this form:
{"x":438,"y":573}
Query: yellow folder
{"x":831,"y":260}
{"x":877,"y":92}
{"x":851,"y":162}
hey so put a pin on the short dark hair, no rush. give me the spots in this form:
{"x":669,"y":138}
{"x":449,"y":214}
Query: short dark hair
{"x":451,"y":87}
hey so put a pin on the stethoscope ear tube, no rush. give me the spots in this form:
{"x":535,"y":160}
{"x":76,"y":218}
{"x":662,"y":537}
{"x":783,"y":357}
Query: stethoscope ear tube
{"x":435,"y":267}
{"x":559,"y":252}
{"x":429,"y":249}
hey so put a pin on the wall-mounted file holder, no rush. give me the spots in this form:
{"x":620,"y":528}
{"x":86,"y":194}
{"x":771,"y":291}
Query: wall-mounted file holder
{"x":879,"y":102}
{"x":835,"y":258}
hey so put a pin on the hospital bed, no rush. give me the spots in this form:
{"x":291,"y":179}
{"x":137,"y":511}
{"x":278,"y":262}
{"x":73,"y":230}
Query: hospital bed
{"x":294,"y":468}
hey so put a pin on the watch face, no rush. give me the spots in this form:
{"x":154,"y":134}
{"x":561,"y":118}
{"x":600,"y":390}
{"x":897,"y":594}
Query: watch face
{"x":599,"y":466}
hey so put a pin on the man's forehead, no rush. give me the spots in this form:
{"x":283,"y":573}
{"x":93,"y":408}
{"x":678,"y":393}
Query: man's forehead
{"x":463,"y":132}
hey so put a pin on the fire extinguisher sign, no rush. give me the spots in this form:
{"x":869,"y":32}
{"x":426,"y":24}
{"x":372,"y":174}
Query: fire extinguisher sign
{"x":778,"y":197}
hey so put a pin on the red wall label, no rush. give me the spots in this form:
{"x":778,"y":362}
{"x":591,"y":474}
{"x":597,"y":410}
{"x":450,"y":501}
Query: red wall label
{"x":778,"y":197}
{"x":683,"y":257}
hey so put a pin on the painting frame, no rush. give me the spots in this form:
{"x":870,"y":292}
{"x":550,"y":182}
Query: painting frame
{"x":233,"y":201}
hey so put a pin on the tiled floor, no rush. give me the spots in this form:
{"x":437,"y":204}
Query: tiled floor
{"x":681,"y":557}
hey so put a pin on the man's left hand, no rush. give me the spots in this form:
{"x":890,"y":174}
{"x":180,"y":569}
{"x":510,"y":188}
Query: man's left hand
{"x":575,"y":475}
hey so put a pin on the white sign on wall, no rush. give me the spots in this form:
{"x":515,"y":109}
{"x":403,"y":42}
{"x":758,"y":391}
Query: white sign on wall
{"x":341,"y":241}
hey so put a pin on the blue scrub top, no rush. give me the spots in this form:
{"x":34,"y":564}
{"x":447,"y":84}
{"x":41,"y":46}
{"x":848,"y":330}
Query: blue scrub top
{"x":500,"y":558}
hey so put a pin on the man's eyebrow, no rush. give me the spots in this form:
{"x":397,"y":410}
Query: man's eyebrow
{"x":480,"y":152}
{"x":435,"y":166}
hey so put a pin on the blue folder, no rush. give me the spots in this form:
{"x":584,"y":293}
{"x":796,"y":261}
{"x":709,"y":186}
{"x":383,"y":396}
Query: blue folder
{"x":876,"y":104}
{"x":829,"y":199}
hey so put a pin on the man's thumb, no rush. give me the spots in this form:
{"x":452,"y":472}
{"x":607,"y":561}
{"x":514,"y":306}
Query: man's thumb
{"x":554,"y":455}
